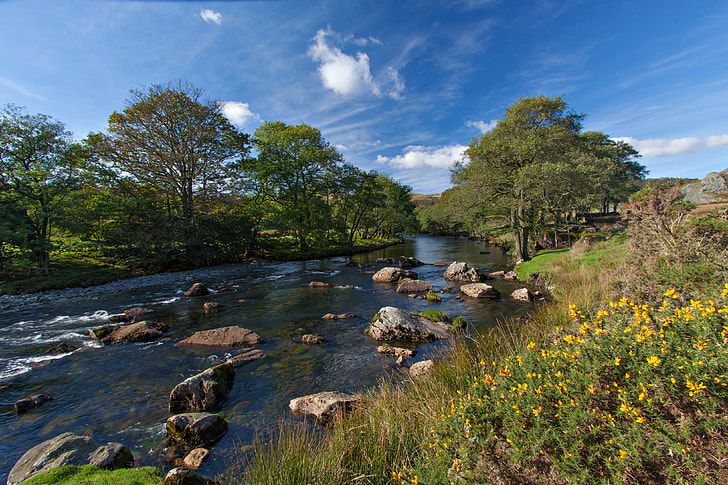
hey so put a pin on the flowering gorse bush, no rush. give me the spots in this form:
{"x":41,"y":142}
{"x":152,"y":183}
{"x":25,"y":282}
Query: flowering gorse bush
{"x":635,"y":394}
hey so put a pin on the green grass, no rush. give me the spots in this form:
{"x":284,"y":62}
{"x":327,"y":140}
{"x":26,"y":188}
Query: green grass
{"x":65,"y":271}
{"x":90,"y":475}
{"x":544,"y":260}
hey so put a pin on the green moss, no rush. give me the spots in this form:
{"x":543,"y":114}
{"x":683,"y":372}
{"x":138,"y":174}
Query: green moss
{"x":459,"y":323}
{"x":433,"y":297}
{"x":101,"y":332}
{"x":90,"y":475}
{"x":435,"y":315}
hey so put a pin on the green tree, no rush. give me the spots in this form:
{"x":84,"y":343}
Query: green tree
{"x":170,"y":138}
{"x":39,"y":167}
{"x":535,"y":163}
{"x":296,"y":168}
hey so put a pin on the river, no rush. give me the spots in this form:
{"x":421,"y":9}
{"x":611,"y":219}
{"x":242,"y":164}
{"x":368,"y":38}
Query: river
{"x":120,"y":392}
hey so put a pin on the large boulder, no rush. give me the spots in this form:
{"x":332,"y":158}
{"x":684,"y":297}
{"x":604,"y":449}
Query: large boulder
{"x":479,"y":290}
{"x":196,"y":429}
{"x":321,"y":408}
{"x":394,"y":324}
{"x":392,"y":275}
{"x":232,"y":336}
{"x":713,"y":188}
{"x":69,"y":449}
{"x":408,"y":286}
{"x":460,"y":272}
{"x":202,"y":392}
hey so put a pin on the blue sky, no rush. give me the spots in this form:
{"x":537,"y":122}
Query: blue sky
{"x":398,"y":86}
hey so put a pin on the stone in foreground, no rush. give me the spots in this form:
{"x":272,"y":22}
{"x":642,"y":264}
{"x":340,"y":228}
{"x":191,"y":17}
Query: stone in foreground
{"x":184,"y":476}
{"x":395,"y":324}
{"x":196,"y":429}
{"x":69,"y":449}
{"x":522,"y":294}
{"x":421,"y":368}
{"x":202,"y":392}
{"x":232,"y":336}
{"x":479,"y":290}
{"x":321,"y":408}
{"x":194,"y":459}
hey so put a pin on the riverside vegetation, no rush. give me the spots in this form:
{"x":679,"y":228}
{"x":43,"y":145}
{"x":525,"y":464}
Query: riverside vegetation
{"x":597,"y":387}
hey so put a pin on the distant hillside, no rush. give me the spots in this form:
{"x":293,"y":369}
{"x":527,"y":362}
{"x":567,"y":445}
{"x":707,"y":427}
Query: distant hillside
{"x":423,"y":201}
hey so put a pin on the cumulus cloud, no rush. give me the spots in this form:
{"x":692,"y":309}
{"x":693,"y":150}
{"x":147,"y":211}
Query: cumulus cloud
{"x":238,"y":113}
{"x":663,"y":147}
{"x":482,"y":125}
{"x":417,"y":156}
{"x":210,"y":16}
{"x":348,"y":74}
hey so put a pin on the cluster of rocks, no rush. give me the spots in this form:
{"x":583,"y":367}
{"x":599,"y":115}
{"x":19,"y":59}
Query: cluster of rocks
{"x":190,"y":428}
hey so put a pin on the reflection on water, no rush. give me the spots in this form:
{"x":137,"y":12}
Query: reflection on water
{"x":120,"y":392}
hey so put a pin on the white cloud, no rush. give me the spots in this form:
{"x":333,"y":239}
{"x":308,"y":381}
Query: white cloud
{"x":238,"y":113}
{"x":347,"y":74}
{"x":483,"y":126}
{"x":210,"y":16}
{"x":417,"y":156}
{"x":662,"y":147}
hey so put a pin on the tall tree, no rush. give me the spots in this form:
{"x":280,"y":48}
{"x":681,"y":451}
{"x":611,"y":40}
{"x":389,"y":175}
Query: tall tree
{"x":170,"y":138}
{"x":296,"y":168}
{"x":536,"y":162}
{"x":39,"y":167}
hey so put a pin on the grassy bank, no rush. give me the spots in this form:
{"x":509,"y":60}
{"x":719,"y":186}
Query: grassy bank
{"x":89,"y":475}
{"x":69,"y":269}
{"x":584,"y":392}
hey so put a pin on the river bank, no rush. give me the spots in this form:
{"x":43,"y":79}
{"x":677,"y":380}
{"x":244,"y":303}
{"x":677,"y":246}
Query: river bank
{"x":219,"y":272}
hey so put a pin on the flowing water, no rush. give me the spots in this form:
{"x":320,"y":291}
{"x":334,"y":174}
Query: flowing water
{"x":120,"y":392}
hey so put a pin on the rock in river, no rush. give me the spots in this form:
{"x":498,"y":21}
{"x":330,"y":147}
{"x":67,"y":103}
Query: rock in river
{"x":408,"y":286}
{"x":202,"y":392}
{"x":479,"y":290}
{"x":197,"y":289}
{"x":196,"y":429}
{"x":69,"y":449}
{"x":392,"y":275}
{"x":460,"y":272}
{"x":323,"y":407}
{"x":27,"y":403}
{"x":232,"y":336}
{"x":144,"y":331}
{"x":392,"y":324}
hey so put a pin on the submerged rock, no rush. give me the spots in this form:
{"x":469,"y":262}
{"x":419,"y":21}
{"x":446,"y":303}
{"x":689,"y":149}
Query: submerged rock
{"x":340,"y":316}
{"x":310,"y":339}
{"x":27,"y":403}
{"x":69,"y":449}
{"x":204,"y":391}
{"x":196,"y":429}
{"x":324,"y":406}
{"x":319,"y":284}
{"x":62,"y":348}
{"x":232,"y":336}
{"x":392,"y":324}
{"x":398,"y":351}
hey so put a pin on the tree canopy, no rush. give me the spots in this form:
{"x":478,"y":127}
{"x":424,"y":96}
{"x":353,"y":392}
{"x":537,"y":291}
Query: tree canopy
{"x":536,"y":162}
